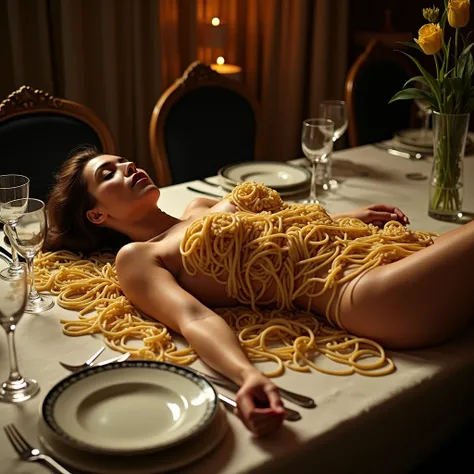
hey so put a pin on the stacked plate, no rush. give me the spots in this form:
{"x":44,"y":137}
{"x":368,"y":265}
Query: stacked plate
{"x":134,"y":417}
{"x":420,"y":140}
{"x":285,"y":178}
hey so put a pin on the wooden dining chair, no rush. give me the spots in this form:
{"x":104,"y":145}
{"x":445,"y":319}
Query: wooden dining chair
{"x":39,"y":131}
{"x":202,"y":122}
{"x":374,"y":78}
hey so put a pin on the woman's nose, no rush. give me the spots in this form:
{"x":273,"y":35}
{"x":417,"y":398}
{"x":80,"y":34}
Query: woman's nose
{"x":130,"y":168}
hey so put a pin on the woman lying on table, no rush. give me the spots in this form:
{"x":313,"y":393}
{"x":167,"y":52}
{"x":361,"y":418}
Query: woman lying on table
{"x":425,"y":298}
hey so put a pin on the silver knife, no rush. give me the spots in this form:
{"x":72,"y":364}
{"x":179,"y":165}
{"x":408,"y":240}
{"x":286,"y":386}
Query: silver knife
{"x":401,"y":153}
{"x":194,"y":190}
{"x":121,"y":358}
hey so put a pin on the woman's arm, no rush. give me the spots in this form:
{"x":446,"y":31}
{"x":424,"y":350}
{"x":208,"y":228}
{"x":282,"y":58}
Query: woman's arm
{"x":377,"y":214}
{"x":154,"y":291}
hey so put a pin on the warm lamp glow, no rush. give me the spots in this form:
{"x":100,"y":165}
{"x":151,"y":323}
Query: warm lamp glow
{"x":215,"y":21}
{"x":220,"y":60}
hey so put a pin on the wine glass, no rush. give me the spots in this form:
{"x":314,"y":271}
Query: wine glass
{"x":12,"y":186}
{"x":12,"y":304}
{"x":425,"y":109}
{"x":27,"y":236}
{"x":335,"y":110}
{"x":316,"y":142}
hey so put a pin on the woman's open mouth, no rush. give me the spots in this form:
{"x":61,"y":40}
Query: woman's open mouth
{"x":138,"y":178}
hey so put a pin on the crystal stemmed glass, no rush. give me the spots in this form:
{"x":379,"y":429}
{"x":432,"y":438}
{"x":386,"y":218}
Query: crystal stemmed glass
{"x":12,"y":304}
{"x":317,"y":143}
{"x":424,"y":107}
{"x":27,"y":236}
{"x":12,"y":186}
{"x":335,"y":110}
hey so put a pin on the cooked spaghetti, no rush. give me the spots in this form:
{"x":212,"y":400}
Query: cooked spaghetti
{"x":286,"y":248}
{"x":265,"y":242}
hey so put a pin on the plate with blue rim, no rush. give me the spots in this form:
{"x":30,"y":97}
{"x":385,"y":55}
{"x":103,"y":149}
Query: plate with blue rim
{"x":129,"y":408}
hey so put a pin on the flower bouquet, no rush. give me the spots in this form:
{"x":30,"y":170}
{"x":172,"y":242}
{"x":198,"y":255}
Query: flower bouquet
{"x":450,"y":95}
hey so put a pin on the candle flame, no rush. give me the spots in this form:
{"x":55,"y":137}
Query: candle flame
{"x":220,"y":60}
{"x":215,"y":21}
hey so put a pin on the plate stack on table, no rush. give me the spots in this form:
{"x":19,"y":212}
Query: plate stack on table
{"x":421,"y":141}
{"x":286,"y":178}
{"x":136,"y":417}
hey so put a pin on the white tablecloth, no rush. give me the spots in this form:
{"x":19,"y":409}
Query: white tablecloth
{"x":361,"y":424}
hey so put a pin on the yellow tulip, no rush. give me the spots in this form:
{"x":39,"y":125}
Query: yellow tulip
{"x":430,"y":38}
{"x":458,"y":13}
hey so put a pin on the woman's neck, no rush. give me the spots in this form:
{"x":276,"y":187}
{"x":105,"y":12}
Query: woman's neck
{"x":148,"y":226}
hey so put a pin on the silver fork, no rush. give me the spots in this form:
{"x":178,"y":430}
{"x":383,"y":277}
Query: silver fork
{"x":86,"y":364}
{"x":90,"y":362}
{"x":27,"y":452}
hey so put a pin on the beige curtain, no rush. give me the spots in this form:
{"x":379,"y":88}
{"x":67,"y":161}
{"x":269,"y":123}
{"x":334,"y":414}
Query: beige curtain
{"x":293,"y":54}
{"x":115,"y":56}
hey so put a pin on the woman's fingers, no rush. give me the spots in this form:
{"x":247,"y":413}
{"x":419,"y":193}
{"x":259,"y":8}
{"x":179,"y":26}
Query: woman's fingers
{"x":394,"y":211}
{"x":261,"y":421}
{"x":274,"y":399}
{"x":381,"y":216}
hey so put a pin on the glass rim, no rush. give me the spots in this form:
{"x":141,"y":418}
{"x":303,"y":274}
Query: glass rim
{"x":318,"y":121}
{"x":435,"y":112}
{"x":43,"y":204}
{"x":19,"y":185}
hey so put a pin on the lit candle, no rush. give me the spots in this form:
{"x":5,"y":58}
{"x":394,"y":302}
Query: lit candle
{"x":231,"y":71}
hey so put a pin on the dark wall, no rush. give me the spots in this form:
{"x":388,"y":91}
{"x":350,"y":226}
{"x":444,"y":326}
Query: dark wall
{"x":404,"y":16}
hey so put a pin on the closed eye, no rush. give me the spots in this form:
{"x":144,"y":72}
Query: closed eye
{"x":109,"y":175}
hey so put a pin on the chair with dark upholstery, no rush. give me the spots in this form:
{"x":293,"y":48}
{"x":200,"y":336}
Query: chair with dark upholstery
{"x":374,"y":78}
{"x":202,"y":122}
{"x":39,"y":131}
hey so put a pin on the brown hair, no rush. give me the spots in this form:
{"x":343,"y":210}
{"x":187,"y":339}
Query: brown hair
{"x":68,"y":226}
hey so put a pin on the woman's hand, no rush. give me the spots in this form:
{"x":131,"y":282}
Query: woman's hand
{"x":259,"y":405}
{"x":378,"y":215}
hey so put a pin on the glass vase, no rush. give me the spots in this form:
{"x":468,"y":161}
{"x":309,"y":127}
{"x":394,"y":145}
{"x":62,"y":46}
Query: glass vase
{"x":446,"y":183}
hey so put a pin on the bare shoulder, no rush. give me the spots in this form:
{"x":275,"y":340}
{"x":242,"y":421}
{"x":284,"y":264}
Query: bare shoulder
{"x":136,"y":254}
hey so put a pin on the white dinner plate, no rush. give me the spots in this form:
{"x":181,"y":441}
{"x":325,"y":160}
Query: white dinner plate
{"x":278,"y":175}
{"x":129,"y":407}
{"x":416,"y":137}
{"x":414,"y":140}
{"x":163,"y":461}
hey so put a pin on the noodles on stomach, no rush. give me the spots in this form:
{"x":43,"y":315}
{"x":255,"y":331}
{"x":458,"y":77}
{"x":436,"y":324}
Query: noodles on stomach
{"x":267,"y":253}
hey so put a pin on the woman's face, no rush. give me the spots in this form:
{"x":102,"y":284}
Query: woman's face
{"x":122,"y":192}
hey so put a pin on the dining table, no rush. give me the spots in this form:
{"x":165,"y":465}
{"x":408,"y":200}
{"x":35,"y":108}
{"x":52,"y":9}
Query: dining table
{"x":386,"y":424}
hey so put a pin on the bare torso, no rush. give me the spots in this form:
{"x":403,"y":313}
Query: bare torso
{"x":211,"y":293}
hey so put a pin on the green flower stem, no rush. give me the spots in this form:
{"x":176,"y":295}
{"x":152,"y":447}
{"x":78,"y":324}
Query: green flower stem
{"x":435,"y":56}
{"x":456,"y":36}
{"x":441,"y":100}
{"x":446,"y":197}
